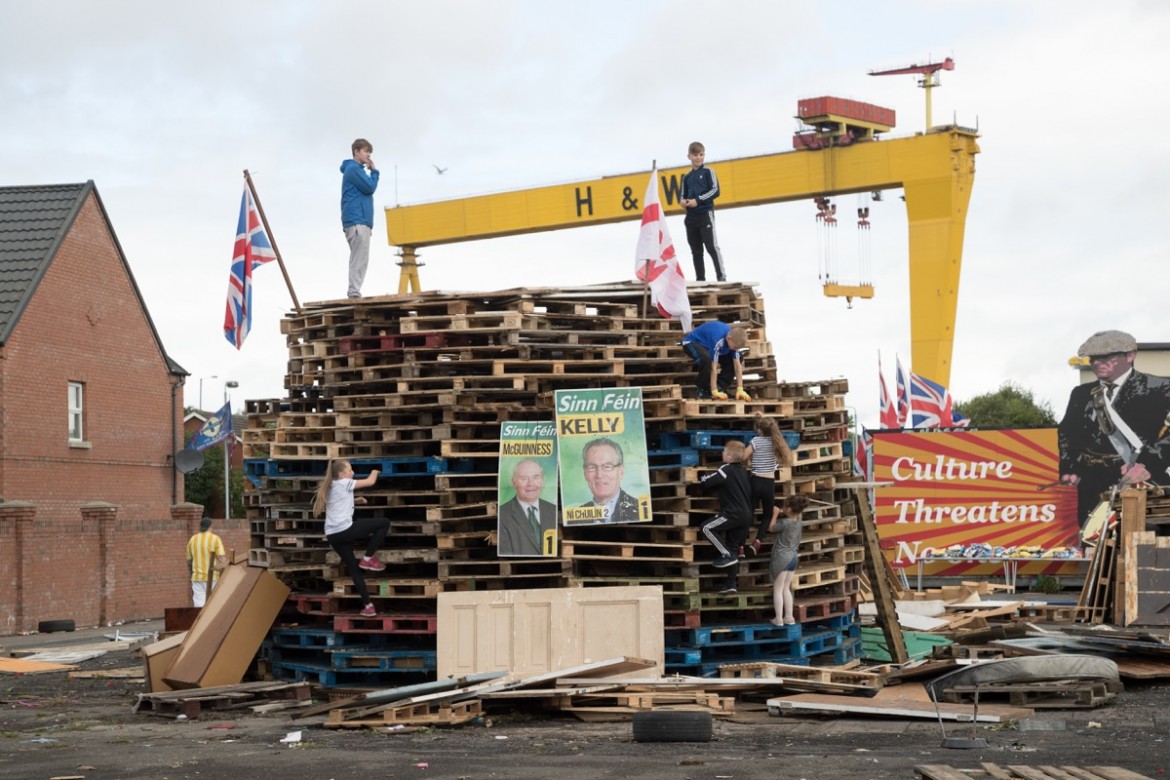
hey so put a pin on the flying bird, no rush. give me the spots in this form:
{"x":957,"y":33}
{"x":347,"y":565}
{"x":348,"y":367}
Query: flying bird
{"x":439,"y":170}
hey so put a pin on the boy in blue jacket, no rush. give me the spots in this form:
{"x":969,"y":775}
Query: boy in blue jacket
{"x":359,"y":180}
{"x":700,"y":188}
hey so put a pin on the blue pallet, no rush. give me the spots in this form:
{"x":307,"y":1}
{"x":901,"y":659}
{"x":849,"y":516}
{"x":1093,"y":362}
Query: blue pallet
{"x":837,"y":622}
{"x":803,"y":647}
{"x":674,"y":458}
{"x":683,"y":656}
{"x":255,"y":468}
{"x":410,"y":467}
{"x":370,"y":660}
{"x":716,"y":440}
{"x":706,"y":440}
{"x":322,"y":638}
{"x":718,"y":636}
{"x":849,"y":650}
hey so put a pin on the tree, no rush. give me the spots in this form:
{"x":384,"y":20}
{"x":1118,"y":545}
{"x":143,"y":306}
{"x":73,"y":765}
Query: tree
{"x":1011,"y":406}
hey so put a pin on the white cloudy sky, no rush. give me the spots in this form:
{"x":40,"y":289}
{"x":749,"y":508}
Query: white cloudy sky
{"x":164,"y":104}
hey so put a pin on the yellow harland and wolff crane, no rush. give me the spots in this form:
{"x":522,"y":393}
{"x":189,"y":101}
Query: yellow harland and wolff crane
{"x":935,"y":171}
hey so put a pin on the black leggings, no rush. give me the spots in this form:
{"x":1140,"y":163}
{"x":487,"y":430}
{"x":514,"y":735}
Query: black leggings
{"x":342,"y":542}
{"x":702,"y":357}
{"x":764,"y":496}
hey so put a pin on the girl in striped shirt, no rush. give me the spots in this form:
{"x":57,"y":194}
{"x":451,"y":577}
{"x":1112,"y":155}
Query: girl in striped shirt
{"x":767,"y":452}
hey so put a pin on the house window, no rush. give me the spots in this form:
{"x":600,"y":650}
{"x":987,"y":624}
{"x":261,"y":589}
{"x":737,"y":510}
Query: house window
{"x":76,"y":412}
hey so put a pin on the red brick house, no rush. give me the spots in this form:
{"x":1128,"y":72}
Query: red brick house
{"x":91,"y":523}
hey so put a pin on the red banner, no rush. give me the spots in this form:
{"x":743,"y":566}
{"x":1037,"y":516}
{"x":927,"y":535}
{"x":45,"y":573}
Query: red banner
{"x":959,"y":496}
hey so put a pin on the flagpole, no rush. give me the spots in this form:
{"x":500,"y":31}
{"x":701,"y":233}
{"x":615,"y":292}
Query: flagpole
{"x":646,"y":273}
{"x":272,"y":240}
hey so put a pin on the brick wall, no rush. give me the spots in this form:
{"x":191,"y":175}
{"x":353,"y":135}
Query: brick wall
{"x":129,"y":570}
{"x":85,"y":323}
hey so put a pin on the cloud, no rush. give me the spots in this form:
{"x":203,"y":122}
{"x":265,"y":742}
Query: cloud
{"x":164,"y":106}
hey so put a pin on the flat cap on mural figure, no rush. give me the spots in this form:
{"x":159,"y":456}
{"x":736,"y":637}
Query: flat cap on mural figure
{"x":1107,"y":342}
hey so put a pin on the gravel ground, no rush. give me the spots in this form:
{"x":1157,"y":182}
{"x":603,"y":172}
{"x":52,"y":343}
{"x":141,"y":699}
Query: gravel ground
{"x":52,"y":727}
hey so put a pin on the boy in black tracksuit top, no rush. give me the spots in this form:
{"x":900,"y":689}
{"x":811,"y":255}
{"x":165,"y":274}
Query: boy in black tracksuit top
{"x":700,"y":188}
{"x":728,"y":529}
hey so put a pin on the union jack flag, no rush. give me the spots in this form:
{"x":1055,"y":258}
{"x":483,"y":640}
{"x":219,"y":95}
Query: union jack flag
{"x":252,"y":250}
{"x":864,"y":444}
{"x":903,"y":394}
{"x":933,"y":406}
{"x":887,"y":415}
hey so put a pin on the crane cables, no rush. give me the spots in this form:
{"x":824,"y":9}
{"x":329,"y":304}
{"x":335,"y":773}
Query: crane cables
{"x":864,"y":246}
{"x":826,"y":240}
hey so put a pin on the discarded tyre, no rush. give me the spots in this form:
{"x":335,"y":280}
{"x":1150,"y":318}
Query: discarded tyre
{"x":52,"y":626}
{"x":672,"y":726}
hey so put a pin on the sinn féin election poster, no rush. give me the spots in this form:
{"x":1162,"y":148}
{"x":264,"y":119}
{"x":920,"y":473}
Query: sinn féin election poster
{"x":601,"y":447}
{"x":526,"y":522}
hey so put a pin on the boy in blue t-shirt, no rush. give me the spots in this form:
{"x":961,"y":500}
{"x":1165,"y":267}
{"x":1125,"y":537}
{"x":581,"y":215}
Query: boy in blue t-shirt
{"x":715,"y":347}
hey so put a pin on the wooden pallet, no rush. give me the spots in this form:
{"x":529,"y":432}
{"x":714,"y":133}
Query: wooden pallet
{"x":424,"y":714}
{"x":822,"y":675}
{"x":1061,"y":694}
{"x":629,"y":702}
{"x":1048,"y":613}
{"x":386,"y":624}
{"x":589,"y":549}
{"x":191,"y":703}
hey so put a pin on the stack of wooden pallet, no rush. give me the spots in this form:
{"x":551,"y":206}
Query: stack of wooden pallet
{"x":417,"y":387}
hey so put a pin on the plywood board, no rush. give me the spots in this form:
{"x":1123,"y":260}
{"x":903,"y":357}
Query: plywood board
{"x":24,"y":666}
{"x":543,"y":630}
{"x":907,"y":708}
{"x":229,"y":630}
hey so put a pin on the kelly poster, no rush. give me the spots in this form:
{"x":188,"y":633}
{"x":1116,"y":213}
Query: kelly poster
{"x":985,"y":493}
{"x":526,"y":521}
{"x":601,"y":447}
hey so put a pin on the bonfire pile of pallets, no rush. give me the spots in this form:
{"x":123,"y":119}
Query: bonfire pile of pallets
{"x":417,"y":387}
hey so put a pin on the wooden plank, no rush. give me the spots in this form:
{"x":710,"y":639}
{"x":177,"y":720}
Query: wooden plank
{"x":1149,"y":592}
{"x":1031,"y":773}
{"x":810,"y":702}
{"x":1133,"y":521}
{"x":1116,"y":773}
{"x":608,"y":666}
{"x":940,"y":772}
{"x":883,"y":596}
{"x":20,"y":666}
{"x":397,"y":694}
{"x":126,"y":673}
{"x":1057,"y":773}
{"x":995,"y":771}
{"x":548,"y":693}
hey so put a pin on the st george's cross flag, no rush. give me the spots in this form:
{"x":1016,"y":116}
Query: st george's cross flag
{"x":252,"y":250}
{"x":655,"y":261}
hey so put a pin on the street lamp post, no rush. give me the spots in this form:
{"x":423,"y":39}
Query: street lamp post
{"x":213,"y":376}
{"x":227,"y":454}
